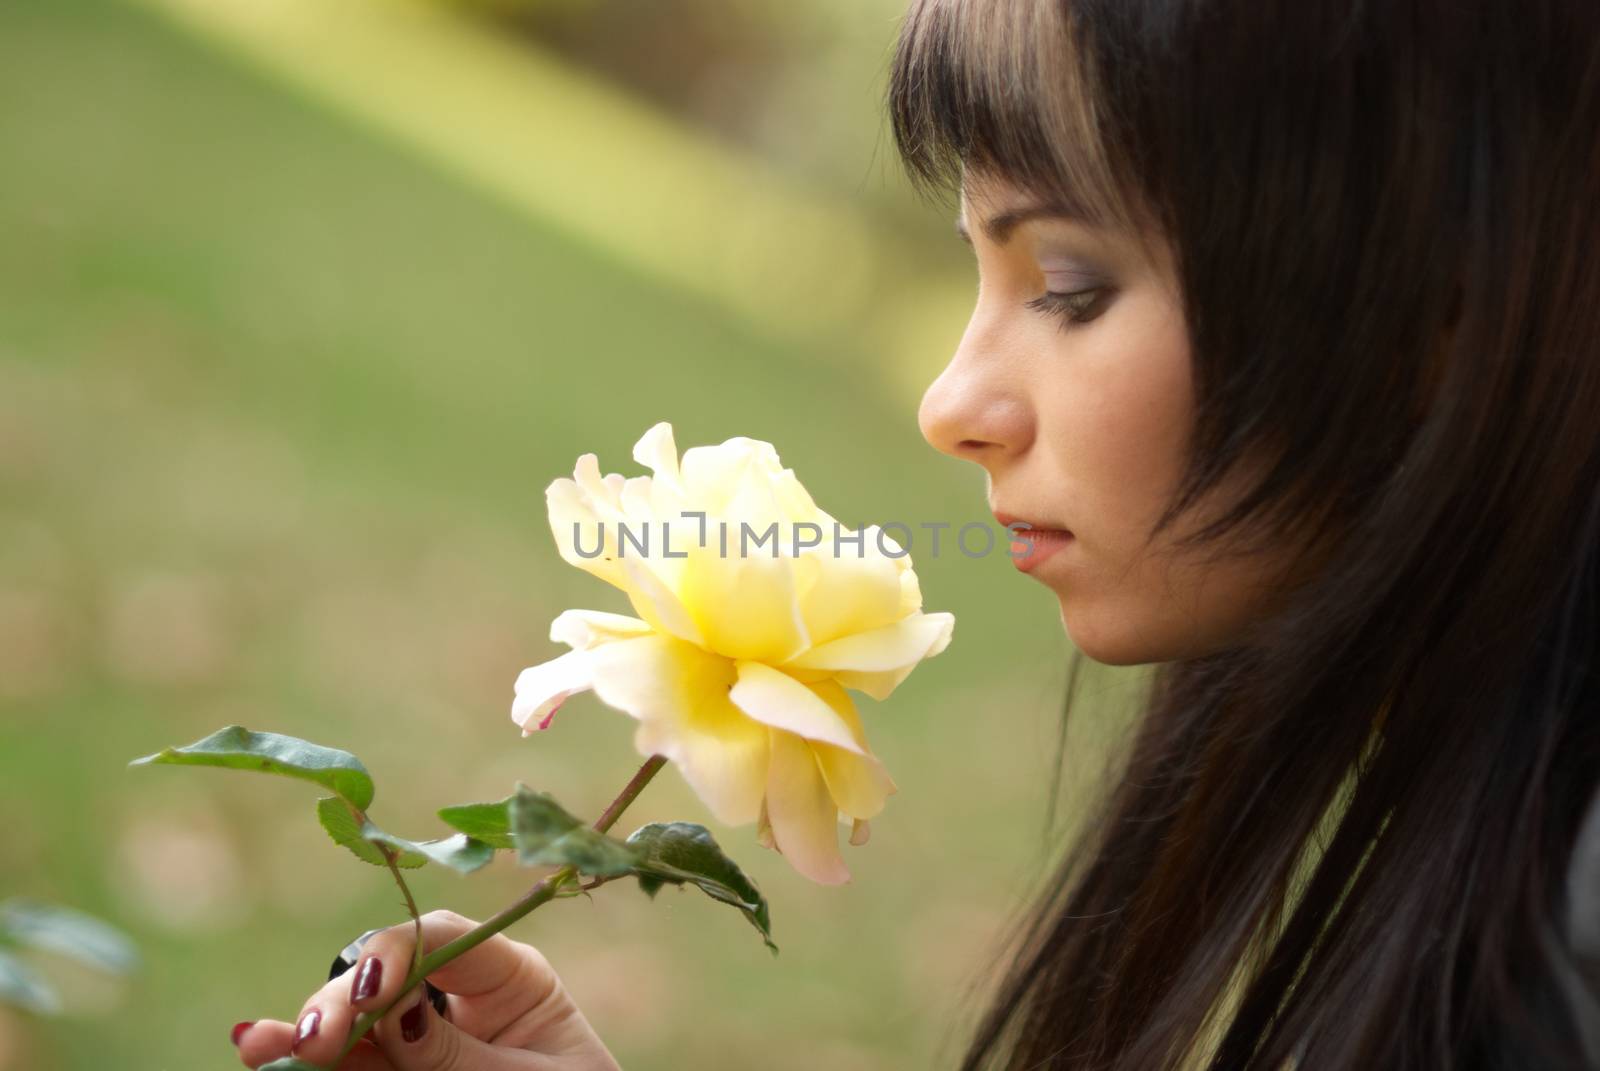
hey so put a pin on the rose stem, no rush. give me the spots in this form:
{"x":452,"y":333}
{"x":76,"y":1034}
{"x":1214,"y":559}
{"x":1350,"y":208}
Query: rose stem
{"x":541,"y":893}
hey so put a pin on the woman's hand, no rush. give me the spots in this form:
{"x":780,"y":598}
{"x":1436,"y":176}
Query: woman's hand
{"x":508,"y":1011}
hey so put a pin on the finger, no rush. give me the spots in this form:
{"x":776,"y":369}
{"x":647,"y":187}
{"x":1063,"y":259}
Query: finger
{"x":386,"y":958}
{"x":269,"y":1040}
{"x":483,"y":969}
{"x":264,"y":1042}
{"x":414,"y":1038}
{"x":492,"y":985}
{"x":323,"y":1024}
{"x":366,"y":1056}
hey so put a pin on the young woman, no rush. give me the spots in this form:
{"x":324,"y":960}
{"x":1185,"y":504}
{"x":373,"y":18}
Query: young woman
{"x":1287,"y":345}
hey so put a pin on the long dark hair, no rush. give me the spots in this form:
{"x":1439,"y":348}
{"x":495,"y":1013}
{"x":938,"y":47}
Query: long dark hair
{"x":1342,"y":842}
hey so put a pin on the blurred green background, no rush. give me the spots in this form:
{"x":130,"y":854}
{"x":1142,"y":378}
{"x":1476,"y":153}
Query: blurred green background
{"x":302,"y":305}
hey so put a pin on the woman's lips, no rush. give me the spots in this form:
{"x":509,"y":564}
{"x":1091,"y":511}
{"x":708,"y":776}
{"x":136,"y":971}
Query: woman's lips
{"x":1032,"y":545}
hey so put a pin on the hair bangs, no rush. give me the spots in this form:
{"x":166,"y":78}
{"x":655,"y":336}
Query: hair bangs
{"x":1001,"y":89}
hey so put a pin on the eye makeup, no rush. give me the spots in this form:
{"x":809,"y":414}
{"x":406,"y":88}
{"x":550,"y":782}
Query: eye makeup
{"x":1075,"y":292}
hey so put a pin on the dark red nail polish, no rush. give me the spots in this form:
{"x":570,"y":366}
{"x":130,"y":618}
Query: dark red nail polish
{"x":368,"y":978}
{"x":309,"y":1022}
{"x":414,"y":1023}
{"x":238,"y":1032}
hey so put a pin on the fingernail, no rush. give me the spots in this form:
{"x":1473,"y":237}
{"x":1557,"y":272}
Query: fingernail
{"x":368,"y":978}
{"x":309,"y":1022}
{"x":414,"y":1023}
{"x":238,"y":1032}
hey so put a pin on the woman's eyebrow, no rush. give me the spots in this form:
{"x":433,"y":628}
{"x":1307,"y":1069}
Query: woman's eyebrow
{"x":998,"y":228}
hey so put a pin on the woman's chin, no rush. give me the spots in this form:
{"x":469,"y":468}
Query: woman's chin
{"x":1115,"y":643}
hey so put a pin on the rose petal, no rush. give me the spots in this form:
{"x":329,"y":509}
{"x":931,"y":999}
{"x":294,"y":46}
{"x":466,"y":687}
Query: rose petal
{"x":904,"y":643}
{"x":805,"y":820}
{"x":586,"y":628}
{"x":712,"y":475}
{"x":679,"y":693}
{"x":574,"y":525}
{"x":657,"y":603}
{"x":638,"y":505}
{"x":541,"y":689}
{"x":657,"y":452}
{"x":910,"y":590}
{"x":797,"y":504}
{"x":742,"y":481}
{"x":856,"y":779}
{"x":858,"y":783}
{"x":878,"y":685}
{"x":774,"y":698}
{"x":843,"y":591}
{"x":745,"y":606}
{"x":603,"y":492}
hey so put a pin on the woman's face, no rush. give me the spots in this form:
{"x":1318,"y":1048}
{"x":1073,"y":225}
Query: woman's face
{"x":1072,"y":389}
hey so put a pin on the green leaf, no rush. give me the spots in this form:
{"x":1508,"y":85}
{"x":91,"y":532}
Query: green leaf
{"x":685,"y":852}
{"x":544,"y":833}
{"x":340,"y":823}
{"x":679,"y":852}
{"x":488,"y":822}
{"x":21,"y":987}
{"x":458,"y":852}
{"x":71,"y":933}
{"x":237,"y":748}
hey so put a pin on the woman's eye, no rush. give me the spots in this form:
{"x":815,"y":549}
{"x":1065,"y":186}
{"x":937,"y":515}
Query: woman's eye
{"x":1074,"y":306}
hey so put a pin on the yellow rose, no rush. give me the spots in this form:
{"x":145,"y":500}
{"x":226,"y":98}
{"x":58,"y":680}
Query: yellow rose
{"x":756,"y":611}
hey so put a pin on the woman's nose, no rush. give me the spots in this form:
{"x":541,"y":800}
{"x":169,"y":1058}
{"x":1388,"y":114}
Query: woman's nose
{"x":972,"y":412}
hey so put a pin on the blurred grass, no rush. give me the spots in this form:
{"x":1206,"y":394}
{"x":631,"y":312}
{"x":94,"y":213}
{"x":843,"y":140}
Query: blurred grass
{"x":691,"y":209}
{"x":278,"y":403}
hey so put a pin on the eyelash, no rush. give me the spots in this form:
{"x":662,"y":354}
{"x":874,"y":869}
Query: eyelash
{"x":1067,"y":306}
